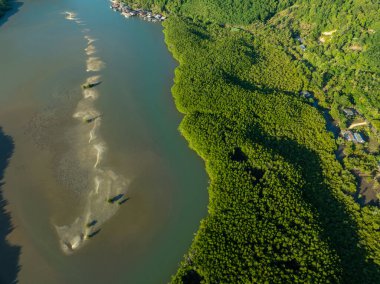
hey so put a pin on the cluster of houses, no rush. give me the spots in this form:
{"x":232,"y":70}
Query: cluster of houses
{"x":127,"y":12}
{"x":355,"y":137}
{"x":349,"y":112}
{"x":348,"y":135}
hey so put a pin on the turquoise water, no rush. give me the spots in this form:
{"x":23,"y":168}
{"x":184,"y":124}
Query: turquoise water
{"x":50,"y":182}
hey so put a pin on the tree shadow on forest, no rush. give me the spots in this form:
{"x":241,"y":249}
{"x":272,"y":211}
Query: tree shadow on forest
{"x":246,"y":85}
{"x":14,"y":7}
{"x":9,"y":254}
{"x":339,"y":230}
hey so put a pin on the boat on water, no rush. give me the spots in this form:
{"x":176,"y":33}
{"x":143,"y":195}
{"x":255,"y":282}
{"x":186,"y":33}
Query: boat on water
{"x":91,"y":85}
{"x":92,"y":118}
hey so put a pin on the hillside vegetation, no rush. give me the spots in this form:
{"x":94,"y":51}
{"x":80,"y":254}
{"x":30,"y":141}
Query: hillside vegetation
{"x":343,"y":53}
{"x":282,"y":208}
{"x":220,"y":11}
{"x":280,"y":205}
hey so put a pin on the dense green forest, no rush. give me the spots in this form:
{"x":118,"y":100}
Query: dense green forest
{"x":343,"y":54}
{"x":220,"y":11}
{"x":3,"y":6}
{"x":280,"y":204}
{"x":282,"y":208}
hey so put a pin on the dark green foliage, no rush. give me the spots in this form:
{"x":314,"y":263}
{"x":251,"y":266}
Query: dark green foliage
{"x":234,"y":11}
{"x":342,"y":39}
{"x":280,"y":207}
{"x":155,"y":4}
{"x":348,"y":61}
{"x":372,"y":55}
{"x":220,"y":11}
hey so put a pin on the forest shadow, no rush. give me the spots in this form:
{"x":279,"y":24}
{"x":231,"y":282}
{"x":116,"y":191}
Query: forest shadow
{"x":9,"y":254}
{"x":232,"y":79}
{"x":13,"y":9}
{"x":339,"y":230}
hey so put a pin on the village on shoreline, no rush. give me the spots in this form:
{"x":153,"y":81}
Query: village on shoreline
{"x":128,"y":12}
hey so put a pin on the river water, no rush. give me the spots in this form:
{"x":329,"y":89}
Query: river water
{"x":101,"y":186}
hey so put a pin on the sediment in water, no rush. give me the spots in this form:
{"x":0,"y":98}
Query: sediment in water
{"x":90,"y":149}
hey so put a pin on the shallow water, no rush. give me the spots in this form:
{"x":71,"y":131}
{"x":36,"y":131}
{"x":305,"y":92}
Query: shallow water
{"x":101,"y":186}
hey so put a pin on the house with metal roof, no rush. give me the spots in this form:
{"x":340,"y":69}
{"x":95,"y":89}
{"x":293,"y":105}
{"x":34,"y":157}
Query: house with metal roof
{"x":358,"y":137}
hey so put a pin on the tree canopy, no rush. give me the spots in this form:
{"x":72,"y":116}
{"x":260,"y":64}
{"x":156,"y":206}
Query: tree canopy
{"x":282,"y":207}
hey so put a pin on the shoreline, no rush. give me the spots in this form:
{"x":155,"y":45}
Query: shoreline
{"x":154,"y":185}
{"x":243,"y":153}
{"x":13,"y":6}
{"x":128,"y":11}
{"x":10,"y":253}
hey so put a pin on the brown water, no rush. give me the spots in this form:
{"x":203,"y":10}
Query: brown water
{"x":51,"y":182}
